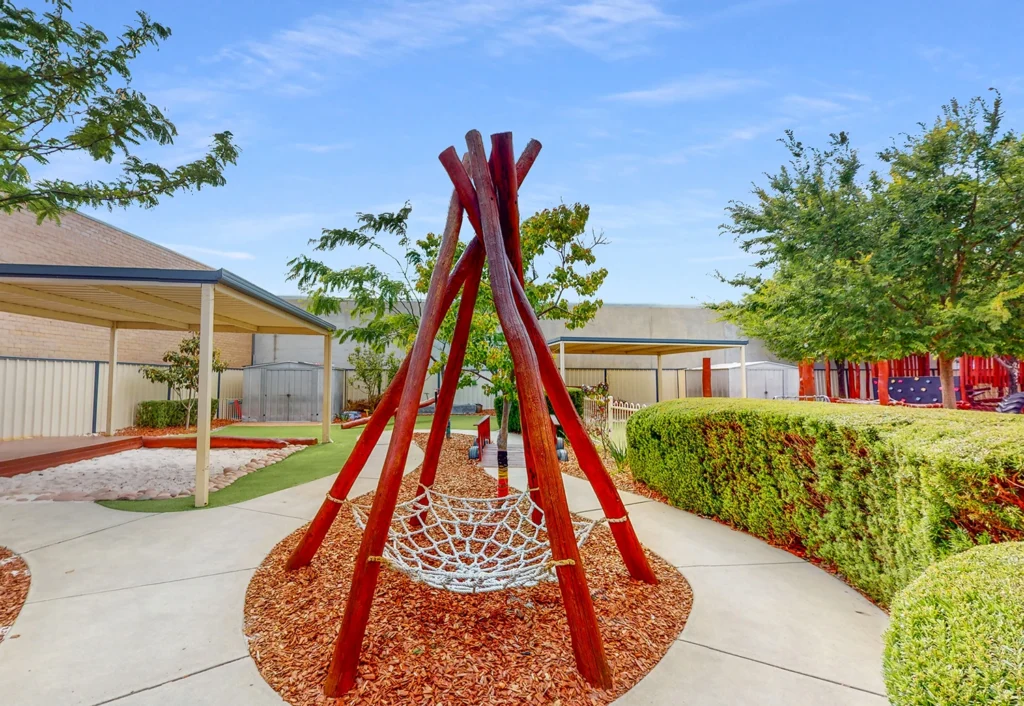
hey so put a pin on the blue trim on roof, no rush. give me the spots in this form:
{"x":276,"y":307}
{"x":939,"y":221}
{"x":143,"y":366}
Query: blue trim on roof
{"x":146,"y":274}
{"x":650,"y":341}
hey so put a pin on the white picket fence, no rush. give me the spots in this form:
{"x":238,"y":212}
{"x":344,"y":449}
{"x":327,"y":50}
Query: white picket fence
{"x":612,"y":414}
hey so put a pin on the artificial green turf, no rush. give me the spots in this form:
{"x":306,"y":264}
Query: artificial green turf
{"x":307,"y":465}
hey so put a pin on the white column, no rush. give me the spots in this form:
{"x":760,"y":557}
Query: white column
{"x":657,"y":384}
{"x":326,"y":413}
{"x":561,"y":359}
{"x":743,"y":371}
{"x":111,"y":379}
{"x":205,"y":391}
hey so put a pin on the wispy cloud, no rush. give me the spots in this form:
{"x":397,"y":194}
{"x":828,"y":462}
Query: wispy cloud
{"x":804,"y":105}
{"x":388,"y":30}
{"x":323,"y":148}
{"x":704,"y":86}
{"x":213,"y":252}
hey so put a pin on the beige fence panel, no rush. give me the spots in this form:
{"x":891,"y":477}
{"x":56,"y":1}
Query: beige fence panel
{"x":578,"y":377}
{"x":229,"y":390}
{"x":41,"y":397}
{"x":635,"y":386}
{"x":45,"y":397}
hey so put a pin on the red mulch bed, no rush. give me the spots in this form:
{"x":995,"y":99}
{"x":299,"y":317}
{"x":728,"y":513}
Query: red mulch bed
{"x":426,"y":646}
{"x":14,"y":580}
{"x":170,"y":431}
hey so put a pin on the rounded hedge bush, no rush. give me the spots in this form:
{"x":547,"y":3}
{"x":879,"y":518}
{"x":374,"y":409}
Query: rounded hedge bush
{"x":957,"y":632}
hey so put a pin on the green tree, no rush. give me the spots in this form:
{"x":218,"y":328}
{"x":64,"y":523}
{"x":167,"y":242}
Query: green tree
{"x":66,"y":90}
{"x":924,"y":259}
{"x":182,"y":372}
{"x":371,"y":368}
{"x":558,"y":261}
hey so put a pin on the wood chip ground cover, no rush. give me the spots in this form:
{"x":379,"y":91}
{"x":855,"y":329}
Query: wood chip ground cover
{"x":14,"y":580}
{"x":426,"y":646}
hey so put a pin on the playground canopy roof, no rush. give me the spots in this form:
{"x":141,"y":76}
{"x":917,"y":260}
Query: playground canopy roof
{"x":203,"y":301}
{"x":144,"y":298}
{"x":637,"y":346}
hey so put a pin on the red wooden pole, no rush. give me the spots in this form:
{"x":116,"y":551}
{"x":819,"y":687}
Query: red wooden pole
{"x":450,"y":382}
{"x":586,"y":637}
{"x":341,"y":674}
{"x":503,"y":171}
{"x":883,"y":382}
{"x":590,"y":460}
{"x":705,"y":377}
{"x":471,"y":258}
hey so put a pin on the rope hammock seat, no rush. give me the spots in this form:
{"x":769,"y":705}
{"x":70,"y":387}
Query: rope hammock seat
{"x":470,"y":545}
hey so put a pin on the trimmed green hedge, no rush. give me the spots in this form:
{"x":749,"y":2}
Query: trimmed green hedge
{"x":957,"y":632}
{"x":880,"y":493}
{"x":166,"y":413}
{"x":516,"y":426}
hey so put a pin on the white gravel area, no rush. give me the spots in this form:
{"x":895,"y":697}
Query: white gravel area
{"x":137,"y":474}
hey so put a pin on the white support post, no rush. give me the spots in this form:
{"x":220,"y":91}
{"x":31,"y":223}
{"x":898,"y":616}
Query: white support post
{"x":561,"y":359}
{"x":205,"y":399}
{"x":111,"y":379}
{"x":326,"y":416}
{"x":657,"y":383}
{"x":743,"y":371}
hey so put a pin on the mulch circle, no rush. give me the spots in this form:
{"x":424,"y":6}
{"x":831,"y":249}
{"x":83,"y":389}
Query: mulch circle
{"x":14,"y":581}
{"x":427,"y":646}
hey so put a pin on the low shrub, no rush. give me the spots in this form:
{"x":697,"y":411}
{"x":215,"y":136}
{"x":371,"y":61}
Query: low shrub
{"x":880,"y":493}
{"x":167,"y":413}
{"x":957,"y":632}
{"x":515,"y":425}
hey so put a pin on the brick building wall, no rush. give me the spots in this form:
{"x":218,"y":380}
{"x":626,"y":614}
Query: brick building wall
{"x":81,"y":240}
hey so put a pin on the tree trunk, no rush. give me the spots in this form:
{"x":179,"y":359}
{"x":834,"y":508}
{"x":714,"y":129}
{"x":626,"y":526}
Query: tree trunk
{"x":188,"y":416}
{"x":506,"y":408}
{"x":946,"y":380}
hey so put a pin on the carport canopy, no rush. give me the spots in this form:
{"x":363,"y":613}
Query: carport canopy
{"x":658,"y":347}
{"x":201,"y":301}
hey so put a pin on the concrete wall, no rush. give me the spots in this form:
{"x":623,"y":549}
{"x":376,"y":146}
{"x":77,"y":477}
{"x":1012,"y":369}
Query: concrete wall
{"x":81,"y":240}
{"x":612,"y":321}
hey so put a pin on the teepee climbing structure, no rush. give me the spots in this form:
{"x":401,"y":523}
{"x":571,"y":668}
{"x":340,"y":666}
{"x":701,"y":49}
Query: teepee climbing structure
{"x":486,"y":193}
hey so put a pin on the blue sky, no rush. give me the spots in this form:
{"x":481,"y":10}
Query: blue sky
{"x":656,"y":114}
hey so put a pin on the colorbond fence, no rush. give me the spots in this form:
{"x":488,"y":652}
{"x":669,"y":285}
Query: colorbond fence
{"x":44,"y":397}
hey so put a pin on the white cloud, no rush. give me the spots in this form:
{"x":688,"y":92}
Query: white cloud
{"x":323,"y":148}
{"x":226,"y":254}
{"x":704,"y":86}
{"x":323,"y":42}
{"x":803,"y":105}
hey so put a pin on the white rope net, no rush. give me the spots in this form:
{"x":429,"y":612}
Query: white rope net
{"x":470,"y":545}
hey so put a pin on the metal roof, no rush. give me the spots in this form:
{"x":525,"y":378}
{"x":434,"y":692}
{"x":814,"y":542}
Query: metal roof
{"x":149,"y":298}
{"x":639,"y":346}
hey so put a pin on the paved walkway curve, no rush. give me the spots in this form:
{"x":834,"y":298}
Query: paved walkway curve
{"x":146,"y":609}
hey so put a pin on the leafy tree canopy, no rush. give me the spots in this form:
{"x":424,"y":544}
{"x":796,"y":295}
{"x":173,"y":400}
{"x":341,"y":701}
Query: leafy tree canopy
{"x":558,"y":261}
{"x":926,"y":258}
{"x":66,"y":89}
{"x":182,"y":372}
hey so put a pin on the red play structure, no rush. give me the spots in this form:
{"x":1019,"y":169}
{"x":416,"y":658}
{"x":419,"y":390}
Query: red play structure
{"x":982,"y":382}
{"x":486,"y":191}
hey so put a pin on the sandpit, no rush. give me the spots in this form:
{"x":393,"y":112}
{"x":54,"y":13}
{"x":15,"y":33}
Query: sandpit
{"x":147,"y":473}
{"x":428,"y":646}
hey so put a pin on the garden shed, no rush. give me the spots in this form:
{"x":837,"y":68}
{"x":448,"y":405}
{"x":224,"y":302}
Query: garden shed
{"x":289,"y":392}
{"x":765,"y":380}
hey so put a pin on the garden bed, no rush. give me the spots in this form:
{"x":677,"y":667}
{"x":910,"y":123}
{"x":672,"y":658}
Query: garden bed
{"x":427,"y":646}
{"x":171,"y":431}
{"x":14,"y":581}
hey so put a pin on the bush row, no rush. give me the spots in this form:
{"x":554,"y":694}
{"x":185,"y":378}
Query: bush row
{"x":880,"y":493}
{"x":167,"y":413}
{"x":515,"y":425}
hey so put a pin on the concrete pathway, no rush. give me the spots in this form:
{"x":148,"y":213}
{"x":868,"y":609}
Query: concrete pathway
{"x":146,"y":609}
